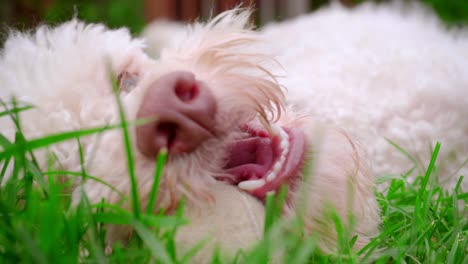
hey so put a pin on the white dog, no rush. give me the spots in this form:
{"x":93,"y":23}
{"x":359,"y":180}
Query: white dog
{"x":231,"y":134}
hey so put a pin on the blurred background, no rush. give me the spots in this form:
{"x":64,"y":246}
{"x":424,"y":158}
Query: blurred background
{"x":135,"y":14}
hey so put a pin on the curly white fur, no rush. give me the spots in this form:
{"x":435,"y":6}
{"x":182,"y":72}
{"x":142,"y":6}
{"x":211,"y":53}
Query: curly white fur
{"x":382,"y":72}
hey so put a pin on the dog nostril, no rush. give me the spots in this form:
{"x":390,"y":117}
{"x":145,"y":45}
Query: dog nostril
{"x":166,"y":134}
{"x":186,"y":92}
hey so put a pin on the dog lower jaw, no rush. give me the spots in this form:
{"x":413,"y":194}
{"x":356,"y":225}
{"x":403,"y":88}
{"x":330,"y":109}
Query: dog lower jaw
{"x":263,"y":162}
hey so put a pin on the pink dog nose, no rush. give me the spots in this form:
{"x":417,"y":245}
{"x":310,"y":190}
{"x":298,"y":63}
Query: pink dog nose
{"x":184,"y":109}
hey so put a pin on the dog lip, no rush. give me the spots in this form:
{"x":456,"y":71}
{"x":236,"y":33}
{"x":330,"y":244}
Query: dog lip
{"x":253,"y":157}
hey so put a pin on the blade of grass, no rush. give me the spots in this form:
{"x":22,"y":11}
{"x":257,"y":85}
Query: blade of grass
{"x":404,"y":152}
{"x":274,"y":207}
{"x":193,"y":251}
{"x":128,"y":150}
{"x":14,"y":116}
{"x":4,"y":142}
{"x":79,"y":174}
{"x":423,"y":192}
{"x":155,"y":246}
{"x":37,"y":175}
{"x":95,"y":245}
{"x":32,"y":246}
{"x":429,"y":169}
{"x":305,"y":251}
{"x":5,"y":164}
{"x":269,"y":211}
{"x":59,"y":137}
{"x":170,"y":235}
{"x":14,"y":110}
{"x":160,"y":162}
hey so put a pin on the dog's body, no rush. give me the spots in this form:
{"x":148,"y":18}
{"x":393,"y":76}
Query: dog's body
{"x":220,"y":115}
{"x":382,"y":72}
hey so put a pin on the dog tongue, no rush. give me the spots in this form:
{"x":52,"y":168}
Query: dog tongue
{"x":250,"y":158}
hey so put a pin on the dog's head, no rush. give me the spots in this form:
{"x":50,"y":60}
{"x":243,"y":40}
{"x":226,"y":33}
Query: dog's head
{"x":211,"y":98}
{"x":218,"y":100}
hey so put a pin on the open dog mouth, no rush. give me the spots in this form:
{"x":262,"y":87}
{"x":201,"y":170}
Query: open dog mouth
{"x":262,"y":162}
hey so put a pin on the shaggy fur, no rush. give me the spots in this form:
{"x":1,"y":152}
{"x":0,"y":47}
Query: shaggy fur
{"x":365,"y":74}
{"x":160,"y":34}
{"x":382,"y":72}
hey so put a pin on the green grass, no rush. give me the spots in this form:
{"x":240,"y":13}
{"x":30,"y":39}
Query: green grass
{"x":422,"y":222}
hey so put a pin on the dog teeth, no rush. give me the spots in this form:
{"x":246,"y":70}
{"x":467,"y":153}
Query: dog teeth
{"x":284,"y":147}
{"x":275,"y":169}
{"x":271,"y":176}
{"x":251,"y":185}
